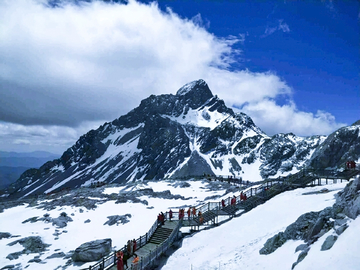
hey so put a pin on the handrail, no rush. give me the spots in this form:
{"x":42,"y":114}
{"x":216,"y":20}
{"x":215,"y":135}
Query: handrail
{"x":163,"y":247}
{"x":265,"y":190}
{"x":110,"y":260}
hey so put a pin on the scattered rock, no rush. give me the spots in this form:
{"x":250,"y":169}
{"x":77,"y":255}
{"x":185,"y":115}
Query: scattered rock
{"x":301,"y":256}
{"x":115,"y":219}
{"x":35,"y":260}
{"x":341,"y":229}
{"x":8,"y":267}
{"x":329,"y":242}
{"x":4,"y":235}
{"x":32,"y":244}
{"x":92,"y":251}
{"x":301,"y":247}
{"x":273,"y":243}
{"x":31,"y":220}
{"x":14,"y":255}
{"x":62,"y":220}
{"x":87,"y":221}
{"x":56,"y":255}
{"x":181,"y":185}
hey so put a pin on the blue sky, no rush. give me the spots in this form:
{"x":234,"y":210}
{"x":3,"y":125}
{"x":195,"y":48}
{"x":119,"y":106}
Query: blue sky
{"x":68,"y":66}
{"x":313,"y":46}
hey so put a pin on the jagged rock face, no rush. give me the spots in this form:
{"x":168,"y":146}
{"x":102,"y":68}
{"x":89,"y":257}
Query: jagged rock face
{"x":188,"y":134}
{"x":284,"y":152}
{"x":340,"y":146}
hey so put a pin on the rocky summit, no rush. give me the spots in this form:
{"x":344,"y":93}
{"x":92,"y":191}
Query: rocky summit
{"x":185,"y":135}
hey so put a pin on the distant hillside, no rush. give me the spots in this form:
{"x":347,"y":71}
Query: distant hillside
{"x":9,"y":175}
{"x":13,"y":164}
{"x":29,"y":160}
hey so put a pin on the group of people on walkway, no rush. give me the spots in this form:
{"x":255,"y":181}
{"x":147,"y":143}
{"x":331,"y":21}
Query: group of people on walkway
{"x":243,"y":197}
{"x":122,"y":257}
{"x":122,"y":260}
{"x":191,"y":213}
{"x":161,"y":219}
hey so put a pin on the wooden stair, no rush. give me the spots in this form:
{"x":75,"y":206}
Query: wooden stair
{"x":160,"y":235}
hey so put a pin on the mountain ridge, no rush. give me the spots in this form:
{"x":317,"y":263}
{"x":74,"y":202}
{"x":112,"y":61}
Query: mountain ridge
{"x":171,"y":135}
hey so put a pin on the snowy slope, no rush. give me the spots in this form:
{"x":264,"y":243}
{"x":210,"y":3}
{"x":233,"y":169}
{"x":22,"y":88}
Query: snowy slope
{"x":236,"y":244}
{"x":233,"y":245}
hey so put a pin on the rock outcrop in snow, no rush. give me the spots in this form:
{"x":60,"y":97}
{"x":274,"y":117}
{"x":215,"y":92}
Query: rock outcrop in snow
{"x":310,"y":227}
{"x":92,"y":251}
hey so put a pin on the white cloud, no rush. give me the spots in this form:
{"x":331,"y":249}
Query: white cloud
{"x":282,"y":26}
{"x":287,"y":118}
{"x":65,"y":69}
{"x":56,"y":139}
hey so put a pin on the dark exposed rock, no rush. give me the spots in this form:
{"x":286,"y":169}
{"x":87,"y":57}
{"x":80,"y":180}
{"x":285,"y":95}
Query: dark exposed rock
{"x":181,"y":184}
{"x":31,"y":220}
{"x":301,"y":247}
{"x":329,"y":242}
{"x":115,"y":219}
{"x":4,"y":235}
{"x":301,"y":257}
{"x":62,"y":220}
{"x":349,"y":199}
{"x":32,"y":244}
{"x":11,"y":266}
{"x":273,"y":243}
{"x":92,"y":251}
{"x":341,"y":229}
{"x":87,"y":221}
{"x":56,"y":255}
{"x":35,"y":260}
{"x":311,"y":226}
{"x":14,"y":255}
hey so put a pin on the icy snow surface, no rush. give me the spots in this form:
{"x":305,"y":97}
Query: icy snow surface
{"x":233,"y":245}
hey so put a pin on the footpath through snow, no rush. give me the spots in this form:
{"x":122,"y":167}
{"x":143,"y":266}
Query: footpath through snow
{"x":236,"y":244}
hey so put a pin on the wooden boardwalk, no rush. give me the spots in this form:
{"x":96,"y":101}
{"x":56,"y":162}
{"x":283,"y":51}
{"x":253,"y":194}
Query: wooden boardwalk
{"x":160,"y":238}
{"x":160,"y":235}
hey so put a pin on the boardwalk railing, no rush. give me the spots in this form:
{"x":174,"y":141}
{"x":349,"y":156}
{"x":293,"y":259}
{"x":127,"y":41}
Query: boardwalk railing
{"x":150,"y":259}
{"x":255,"y":195}
{"x":110,"y":260}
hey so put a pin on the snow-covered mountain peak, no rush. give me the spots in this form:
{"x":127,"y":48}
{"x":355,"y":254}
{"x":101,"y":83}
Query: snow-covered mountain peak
{"x":192,"y":86}
{"x":182,"y":135}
